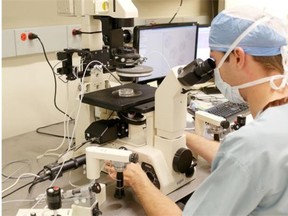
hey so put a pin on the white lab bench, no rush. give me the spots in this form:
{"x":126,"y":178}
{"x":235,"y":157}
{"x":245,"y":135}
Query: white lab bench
{"x":28,"y":146}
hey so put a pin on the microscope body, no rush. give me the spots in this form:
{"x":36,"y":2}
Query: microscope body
{"x":160,"y":143}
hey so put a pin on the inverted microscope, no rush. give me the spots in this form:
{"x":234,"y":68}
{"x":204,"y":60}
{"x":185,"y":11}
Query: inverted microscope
{"x":128,"y":122}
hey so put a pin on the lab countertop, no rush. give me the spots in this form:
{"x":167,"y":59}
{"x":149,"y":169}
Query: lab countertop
{"x":19,"y":154}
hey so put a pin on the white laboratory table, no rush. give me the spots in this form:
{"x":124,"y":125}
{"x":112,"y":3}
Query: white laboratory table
{"x":28,"y":146}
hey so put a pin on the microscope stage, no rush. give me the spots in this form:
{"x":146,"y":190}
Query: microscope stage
{"x":110,"y":98}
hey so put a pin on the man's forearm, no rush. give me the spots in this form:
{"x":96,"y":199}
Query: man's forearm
{"x":202,"y":146}
{"x":154,"y":202}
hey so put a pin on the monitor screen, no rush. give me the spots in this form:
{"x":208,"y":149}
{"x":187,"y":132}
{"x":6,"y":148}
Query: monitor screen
{"x":203,"y":50}
{"x":165,"y":46}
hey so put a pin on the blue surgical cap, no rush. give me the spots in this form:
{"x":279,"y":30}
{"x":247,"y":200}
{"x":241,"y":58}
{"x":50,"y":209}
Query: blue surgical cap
{"x":266,"y":39}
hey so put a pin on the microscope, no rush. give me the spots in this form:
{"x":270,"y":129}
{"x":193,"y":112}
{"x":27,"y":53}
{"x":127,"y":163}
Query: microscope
{"x":159,"y":141}
{"x":147,"y":121}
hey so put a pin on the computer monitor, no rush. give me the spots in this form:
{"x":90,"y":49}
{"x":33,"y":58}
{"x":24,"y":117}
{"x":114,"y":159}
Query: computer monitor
{"x":203,"y":50}
{"x":165,"y":46}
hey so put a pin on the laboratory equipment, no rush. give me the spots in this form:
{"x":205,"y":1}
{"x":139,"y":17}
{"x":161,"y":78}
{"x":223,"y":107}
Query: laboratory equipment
{"x":165,"y":46}
{"x":53,"y":197}
{"x":119,"y":157}
{"x":211,"y":123}
{"x":103,"y":40}
{"x":160,"y":142}
{"x":228,"y":109}
{"x":239,"y":122}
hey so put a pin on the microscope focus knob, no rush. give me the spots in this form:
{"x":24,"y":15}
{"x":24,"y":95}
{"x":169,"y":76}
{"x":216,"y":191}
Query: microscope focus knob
{"x":182,"y":160}
{"x":134,"y":158}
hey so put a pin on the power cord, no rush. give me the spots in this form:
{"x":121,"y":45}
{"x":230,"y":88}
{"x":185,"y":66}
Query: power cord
{"x":181,"y":2}
{"x":32,"y":36}
{"x":50,"y":134}
{"x":14,"y":191}
{"x":79,"y":32}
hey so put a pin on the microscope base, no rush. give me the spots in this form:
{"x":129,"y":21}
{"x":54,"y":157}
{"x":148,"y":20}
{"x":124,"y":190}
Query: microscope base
{"x":157,"y":162}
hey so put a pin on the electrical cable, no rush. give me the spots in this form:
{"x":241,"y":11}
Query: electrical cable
{"x":26,"y":162}
{"x":50,"y":134}
{"x":181,"y":2}
{"x":79,"y":32}
{"x":11,"y":201}
{"x":212,"y":9}
{"x":59,"y":75}
{"x":73,"y":132}
{"x":16,"y":190}
{"x":32,"y":36}
{"x":34,"y":182}
{"x":11,"y":186}
{"x":162,"y":56}
{"x":111,"y":73}
{"x":66,"y":131}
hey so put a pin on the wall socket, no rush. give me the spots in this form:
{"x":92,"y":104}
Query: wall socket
{"x":53,"y":38}
{"x":74,"y":41}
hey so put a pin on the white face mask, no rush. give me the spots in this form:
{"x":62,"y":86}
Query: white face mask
{"x":232,"y":93}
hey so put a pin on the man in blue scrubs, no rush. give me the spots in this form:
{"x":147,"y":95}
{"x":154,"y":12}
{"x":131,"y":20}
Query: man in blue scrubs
{"x":249,"y":169}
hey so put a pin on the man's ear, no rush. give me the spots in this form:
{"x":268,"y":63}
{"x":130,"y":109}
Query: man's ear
{"x":240,"y":55}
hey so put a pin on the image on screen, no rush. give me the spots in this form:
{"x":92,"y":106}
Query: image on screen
{"x":203,"y":50}
{"x":165,"y":46}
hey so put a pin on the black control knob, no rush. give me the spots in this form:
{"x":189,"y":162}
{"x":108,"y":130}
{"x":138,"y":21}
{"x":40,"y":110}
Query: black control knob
{"x":191,"y":170}
{"x":240,"y":122}
{"x":225,"y":124}
{"x":54,"y":198}
{"x":182,"y":160}
{"x":134,"y":158}
{"x":96,"y":188}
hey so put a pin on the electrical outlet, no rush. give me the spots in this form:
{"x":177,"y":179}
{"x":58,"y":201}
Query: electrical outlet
{"x":74,"y":41}
{"x":54,"y":38}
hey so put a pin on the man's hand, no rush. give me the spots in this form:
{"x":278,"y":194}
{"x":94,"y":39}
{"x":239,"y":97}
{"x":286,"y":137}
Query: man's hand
{"x":151,"y":198}
{"x":134,"y":176}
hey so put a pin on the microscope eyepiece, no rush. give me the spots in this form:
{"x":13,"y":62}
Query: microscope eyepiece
{"x":198,"y":71}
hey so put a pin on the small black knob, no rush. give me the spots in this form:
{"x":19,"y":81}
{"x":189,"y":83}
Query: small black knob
{"x":225,"y":124}
{"x":241,"y":120}
{"x":134,"y":158}
{"x":191,"y":170}
{"x":96,"y":188}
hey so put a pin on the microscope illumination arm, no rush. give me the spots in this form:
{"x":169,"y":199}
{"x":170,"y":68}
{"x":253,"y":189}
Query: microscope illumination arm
{"x":95,"y":154}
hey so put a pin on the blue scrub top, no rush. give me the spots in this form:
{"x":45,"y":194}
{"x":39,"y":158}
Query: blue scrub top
{"x":250,"y":171}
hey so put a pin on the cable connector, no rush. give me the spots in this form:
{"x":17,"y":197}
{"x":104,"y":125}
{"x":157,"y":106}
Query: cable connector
{"x":32,"y":36}
{"x":76,"y":32}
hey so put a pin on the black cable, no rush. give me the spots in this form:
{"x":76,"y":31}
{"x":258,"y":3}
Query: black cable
{"x":34,"y":182}
{"x":181,"y":2}
{"x":83,"y":143}
{"x":17,"y":189}
{"x":32,"y":36}
{"x":212,"y":9}
{"x":49,"y":134}
{"x":77,"y":32}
